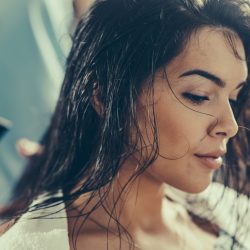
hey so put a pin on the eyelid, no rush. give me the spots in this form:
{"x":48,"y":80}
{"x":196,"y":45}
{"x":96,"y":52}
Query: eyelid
{"x":237,"y":91}
{"x":234,"y":97}
{"x":195,"y":98}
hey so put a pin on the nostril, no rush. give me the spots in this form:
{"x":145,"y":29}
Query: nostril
{"x":224,"y":134}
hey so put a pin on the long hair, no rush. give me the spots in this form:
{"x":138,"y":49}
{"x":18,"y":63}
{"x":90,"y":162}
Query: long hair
{"x":117,"y":45}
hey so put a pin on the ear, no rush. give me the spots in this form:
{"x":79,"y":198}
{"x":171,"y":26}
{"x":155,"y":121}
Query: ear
{"x":95,"y":100}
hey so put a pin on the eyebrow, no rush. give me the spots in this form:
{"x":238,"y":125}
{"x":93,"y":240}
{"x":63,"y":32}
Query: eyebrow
{"x":215,"y":79}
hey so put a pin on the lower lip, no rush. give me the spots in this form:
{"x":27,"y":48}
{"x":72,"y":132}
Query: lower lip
{"x":210,"y":163}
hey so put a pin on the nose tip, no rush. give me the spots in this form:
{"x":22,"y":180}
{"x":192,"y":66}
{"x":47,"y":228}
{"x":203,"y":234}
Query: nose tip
{"x":226,"y":128}
{"x":233,"y":128}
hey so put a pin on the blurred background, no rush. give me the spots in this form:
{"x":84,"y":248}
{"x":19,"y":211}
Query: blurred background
{"x":34,"y":42}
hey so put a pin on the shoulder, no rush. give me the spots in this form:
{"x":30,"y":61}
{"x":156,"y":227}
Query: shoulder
{"x":44,"y":229}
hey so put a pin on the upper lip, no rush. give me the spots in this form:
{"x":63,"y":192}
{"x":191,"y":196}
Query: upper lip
{"x":212,"y":154}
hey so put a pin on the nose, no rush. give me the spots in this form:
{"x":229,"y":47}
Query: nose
{"x":225,"y":124}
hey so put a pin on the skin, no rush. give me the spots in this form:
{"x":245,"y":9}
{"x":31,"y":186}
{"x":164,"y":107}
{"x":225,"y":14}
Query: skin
{"x":153,"y":221}
{"x":183,"y":132}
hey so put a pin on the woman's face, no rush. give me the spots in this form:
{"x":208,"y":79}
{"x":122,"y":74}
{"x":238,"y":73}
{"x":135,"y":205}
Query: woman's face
{"x":192,"y":110}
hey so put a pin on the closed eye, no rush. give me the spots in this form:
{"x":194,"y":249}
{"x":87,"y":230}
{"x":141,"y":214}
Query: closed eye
{"x":195,"y":99}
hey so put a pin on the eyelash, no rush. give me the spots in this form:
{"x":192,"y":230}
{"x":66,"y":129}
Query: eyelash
{"x":199,"y":99}
{"x":196,"y":99}
{"x":235,"y":106}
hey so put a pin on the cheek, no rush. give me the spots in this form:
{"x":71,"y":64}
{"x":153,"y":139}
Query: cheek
{"x":172,"y":138}
{"x":179,"y":129}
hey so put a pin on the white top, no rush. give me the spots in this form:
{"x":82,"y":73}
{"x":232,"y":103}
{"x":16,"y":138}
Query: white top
{"x":225,"y":208}
{"x":52,"y":234}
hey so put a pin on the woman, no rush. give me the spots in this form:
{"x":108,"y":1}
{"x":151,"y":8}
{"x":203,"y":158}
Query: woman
{"x":152,"y":97}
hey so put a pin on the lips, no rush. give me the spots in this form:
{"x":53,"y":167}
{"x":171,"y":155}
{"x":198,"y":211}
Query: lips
{"x":211,"y":160}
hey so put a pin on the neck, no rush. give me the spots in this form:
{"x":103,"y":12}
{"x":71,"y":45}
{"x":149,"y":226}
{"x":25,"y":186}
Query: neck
{"x":142,"y":210}
{"x":139,"y":203}
{"x":142,"y":202}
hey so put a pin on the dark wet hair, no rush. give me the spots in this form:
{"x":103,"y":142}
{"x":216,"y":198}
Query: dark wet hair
{"x":116,"y":47}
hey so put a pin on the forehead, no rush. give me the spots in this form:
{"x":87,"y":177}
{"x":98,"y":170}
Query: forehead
{"x":208,"y":49}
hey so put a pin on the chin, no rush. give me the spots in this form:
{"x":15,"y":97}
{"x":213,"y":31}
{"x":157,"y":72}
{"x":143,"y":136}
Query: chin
{"x":193,"y":188}
{"x":196,"y":190}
